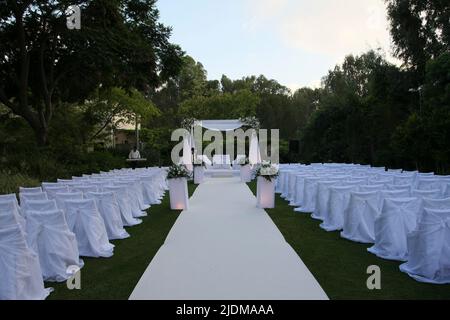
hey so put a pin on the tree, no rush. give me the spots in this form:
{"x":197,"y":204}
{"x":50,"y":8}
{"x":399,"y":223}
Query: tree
{"x":121,"y":43}
{"x":420,"y":30}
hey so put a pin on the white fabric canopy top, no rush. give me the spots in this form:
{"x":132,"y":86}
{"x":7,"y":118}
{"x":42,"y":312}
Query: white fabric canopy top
{"x":219,"y":125}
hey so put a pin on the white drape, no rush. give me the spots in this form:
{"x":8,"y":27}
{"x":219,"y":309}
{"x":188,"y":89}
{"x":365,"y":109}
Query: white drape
{"x":254,"y":153}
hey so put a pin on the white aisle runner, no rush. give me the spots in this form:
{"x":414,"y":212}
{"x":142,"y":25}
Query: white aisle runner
{"x":224,"y":247}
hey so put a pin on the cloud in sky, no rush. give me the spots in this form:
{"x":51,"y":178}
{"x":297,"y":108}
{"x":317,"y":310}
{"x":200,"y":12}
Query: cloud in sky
{"x":332,"y":28}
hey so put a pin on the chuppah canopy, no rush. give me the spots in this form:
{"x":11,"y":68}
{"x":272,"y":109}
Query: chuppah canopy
{"x":219,"y":125}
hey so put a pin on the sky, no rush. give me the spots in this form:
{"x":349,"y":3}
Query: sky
{"x":294,"y":42}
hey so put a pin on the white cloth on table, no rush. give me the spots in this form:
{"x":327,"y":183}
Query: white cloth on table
{"x":124,"y":204}
{"x":339,"y":198}
{"x":24,"y":197}
{"x":48,"y":235}
{"x":20,"y":272}
{"x":86,"y":222}
{"x":429,"y":248}
{"x":109,"y":209}
{"x":359,"y":217}
{"x":30,"y":190}
{"x":398,"y":218}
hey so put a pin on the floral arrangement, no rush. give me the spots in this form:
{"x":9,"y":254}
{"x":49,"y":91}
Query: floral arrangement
{"x":244,"y":161}
{"x":267,"y":170}
{"x":251,"y":122}
{"x":178,"y":171}
{"x":188,"y":123}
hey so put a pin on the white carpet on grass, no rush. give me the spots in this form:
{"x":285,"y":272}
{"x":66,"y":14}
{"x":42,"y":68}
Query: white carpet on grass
{"x":224,"y":248}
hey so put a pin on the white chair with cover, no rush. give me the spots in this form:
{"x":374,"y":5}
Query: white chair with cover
{"x":49,"y":236}
{"x":338,"y":201}
{"x":84,"y":188}
{"x":359,"y":217}
{"x":398,"y":218}
{"x":62,"y":197}
{"x":24,"y":197}
{"x":86,"y":222}
{"x":11,"y":214}
{"x":139,"y":192}
{"x":429,"y":248}
{"x":133,"y":199}
{"x":46,"y":185}
{"x":20,"y":271}
{"x":109,"y":209}
{"x":150,"y":190}
{"x":309,"y":195}
{"x":52,"y":191}
{"x":426,"y":183}
{"x":404,"y":180}
{"x":446,"y":190}
{"x":30,"y":190}
{"x":392,"y":194}
{"x":433,"y":194}
{"x":38,"y":205}
{"x":399,"y":187}
{"x":372,"y":188}
{"x":123,"y":200}
{"x":322,"y":197}
{"x":436,"y":204}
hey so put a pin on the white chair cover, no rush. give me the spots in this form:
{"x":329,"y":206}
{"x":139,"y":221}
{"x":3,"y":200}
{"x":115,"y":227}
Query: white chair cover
{"x":398,"y":187}
{"x":337,"y":203}
{"x":150,"y":190}
{"x":138,"y":190}
{"x":86,"y":222}
{"x":404,"y":180}
{"x":49,"y":236}
{"x":84,"y":188}
{"x":398,"y":218}
{"x":10,"y":215}
{"x":395,"y":194}
{"x":436,"y":204}
{"x":20,"y":272}
{"x":433,"y":194}
{"x":322,"y":196}
{"x":309,"y":195}
{"x":109,"y":209}
{"x":62,"y":197}
{"x":372,"y":188}
{"x":429,"y":184}
{"x":134,"y":201}
{"x":124,"y":204}
{"x":32,"y":196}
{"x":30,"y":190}
{"x":429,"y":248}
{"x":51,"y":191}
{"x":446,"y":190}
{"x":359,"y":217}
{"x":39,"y":205}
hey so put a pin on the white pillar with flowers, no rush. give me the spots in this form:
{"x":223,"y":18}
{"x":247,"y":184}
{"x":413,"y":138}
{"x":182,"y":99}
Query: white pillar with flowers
{"x":265,"y":188}
{"x":177,"y":177}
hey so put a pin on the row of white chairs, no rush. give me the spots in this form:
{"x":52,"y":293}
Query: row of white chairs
{"x":405,"y":215}
{"x":43,"y":236}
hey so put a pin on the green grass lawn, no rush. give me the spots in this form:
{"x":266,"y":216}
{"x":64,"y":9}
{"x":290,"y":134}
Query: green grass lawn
{"x":116,"y":277}
{"x":340,"y":265}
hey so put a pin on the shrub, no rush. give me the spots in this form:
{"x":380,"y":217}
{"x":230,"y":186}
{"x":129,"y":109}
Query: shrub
{"x":10,"y":182}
